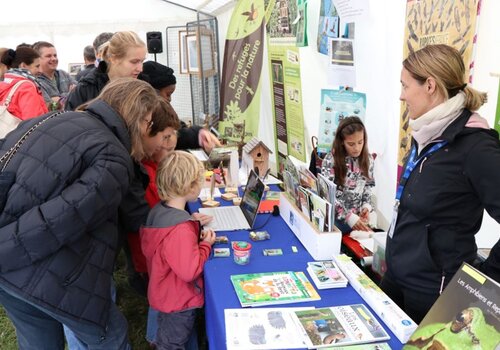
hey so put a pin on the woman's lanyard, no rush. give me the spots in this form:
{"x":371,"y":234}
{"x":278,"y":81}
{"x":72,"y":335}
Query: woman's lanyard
{"x":410,"y":165}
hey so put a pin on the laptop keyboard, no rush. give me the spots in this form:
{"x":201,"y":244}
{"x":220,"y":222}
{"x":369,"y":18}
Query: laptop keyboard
{"x":228,"y":218}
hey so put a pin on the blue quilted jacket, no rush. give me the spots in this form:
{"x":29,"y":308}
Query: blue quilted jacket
{"x":59,"y":227}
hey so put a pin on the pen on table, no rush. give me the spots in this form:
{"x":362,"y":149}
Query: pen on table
{"x":212,"y":187}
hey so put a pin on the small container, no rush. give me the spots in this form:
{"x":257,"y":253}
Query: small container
{"x":241,"y":252}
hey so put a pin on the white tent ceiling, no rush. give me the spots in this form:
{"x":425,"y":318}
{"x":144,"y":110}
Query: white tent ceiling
{"x":207,"y":6}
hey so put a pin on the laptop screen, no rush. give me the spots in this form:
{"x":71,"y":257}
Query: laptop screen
{"x":254,"y":191}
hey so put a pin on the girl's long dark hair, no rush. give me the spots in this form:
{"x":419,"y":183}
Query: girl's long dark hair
{"x":348,"y":126}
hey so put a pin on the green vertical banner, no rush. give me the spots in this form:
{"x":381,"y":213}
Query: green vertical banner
{"x":301,"y":22}
{"x":497,"y":114}
{"x":286,"y":90}
{"x":241,"y":70}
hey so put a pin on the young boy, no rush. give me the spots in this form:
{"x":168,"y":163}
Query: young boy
{"x":175,"y":255}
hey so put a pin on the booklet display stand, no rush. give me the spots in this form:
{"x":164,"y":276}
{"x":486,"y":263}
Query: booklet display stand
{"x":321,"y":245}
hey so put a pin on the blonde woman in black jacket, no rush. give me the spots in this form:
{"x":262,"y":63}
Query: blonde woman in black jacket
{"x":59,"y":225}
{"x":450,"y":178}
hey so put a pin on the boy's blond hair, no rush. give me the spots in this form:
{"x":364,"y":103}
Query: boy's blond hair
{"x":177,"y":174}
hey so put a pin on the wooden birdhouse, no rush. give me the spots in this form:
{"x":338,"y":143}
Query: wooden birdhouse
{"x":256,"y":155}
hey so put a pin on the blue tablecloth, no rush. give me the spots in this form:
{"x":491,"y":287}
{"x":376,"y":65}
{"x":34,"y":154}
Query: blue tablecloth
{"x":220,"y":294}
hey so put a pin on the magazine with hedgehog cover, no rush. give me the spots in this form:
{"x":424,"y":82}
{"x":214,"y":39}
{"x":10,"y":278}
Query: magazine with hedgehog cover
{"x":465,"y":316}
{"x":263,"y":328}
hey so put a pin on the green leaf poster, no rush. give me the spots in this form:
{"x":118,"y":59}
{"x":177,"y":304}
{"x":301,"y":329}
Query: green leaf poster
{"x":241,"y":71}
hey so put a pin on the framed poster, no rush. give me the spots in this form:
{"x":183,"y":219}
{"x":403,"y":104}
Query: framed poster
{"x":183,"y":58}
{"x":75,"y":68}
{"x":192,"y":54}
{"x":199,"y":49}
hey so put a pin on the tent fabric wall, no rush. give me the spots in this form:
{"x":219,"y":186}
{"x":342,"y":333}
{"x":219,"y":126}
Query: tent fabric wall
{"x":379,"y":49}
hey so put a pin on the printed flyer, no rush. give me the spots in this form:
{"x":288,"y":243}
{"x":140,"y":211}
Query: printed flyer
{"x":328,"y":27}
{"x":341,"y":67}
{"x":335,"y":106}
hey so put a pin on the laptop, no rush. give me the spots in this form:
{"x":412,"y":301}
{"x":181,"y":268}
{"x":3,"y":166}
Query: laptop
{"x":242,"y":217}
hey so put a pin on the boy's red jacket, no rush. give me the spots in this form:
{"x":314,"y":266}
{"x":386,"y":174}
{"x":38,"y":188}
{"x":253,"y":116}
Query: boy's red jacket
{"x":175,"y":258}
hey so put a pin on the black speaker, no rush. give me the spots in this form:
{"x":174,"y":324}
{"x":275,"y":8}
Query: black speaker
{"x":155,"y":44}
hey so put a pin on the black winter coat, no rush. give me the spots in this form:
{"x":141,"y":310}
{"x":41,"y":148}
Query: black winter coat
{"x":442,"y":207}
{"x":88,"y":88}
{"x":59,"y":228}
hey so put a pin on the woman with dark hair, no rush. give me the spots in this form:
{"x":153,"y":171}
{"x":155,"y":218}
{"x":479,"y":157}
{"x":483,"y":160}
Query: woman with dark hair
{"x":74,"y":187}
{"x":350,"y":166}
{"x":27,"y":101}
{"x":3,"y":66}
{"x":162,"y":78}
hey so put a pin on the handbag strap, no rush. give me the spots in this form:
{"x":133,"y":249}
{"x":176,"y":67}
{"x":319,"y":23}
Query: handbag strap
{"x":5,"y":159}
{"x":12,"y":92}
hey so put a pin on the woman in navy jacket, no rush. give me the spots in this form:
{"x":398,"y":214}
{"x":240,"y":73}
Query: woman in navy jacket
{"x":59,"y":226}
{"x":450,"y":178}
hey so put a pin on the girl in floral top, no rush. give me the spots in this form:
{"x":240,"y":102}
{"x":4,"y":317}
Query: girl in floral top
{"x":350,"y":166}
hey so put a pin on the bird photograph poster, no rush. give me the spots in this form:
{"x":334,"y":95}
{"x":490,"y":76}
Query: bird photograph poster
{"x":328,"y":27}
{"x":429,"y":22}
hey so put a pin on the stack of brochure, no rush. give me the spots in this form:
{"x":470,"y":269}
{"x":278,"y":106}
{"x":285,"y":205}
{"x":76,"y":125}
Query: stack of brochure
{"x":326,"y":274}
{"x":257,"y":289}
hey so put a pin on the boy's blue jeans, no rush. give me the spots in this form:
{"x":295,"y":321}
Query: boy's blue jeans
{"x":152,"y":330}
{"x":40,"y":329}
{"x":175,"y":329}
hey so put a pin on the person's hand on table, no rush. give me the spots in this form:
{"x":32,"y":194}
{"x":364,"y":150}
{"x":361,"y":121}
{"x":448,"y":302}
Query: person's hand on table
{"x":361,"y":226}
{"x":202,"y":218}
{"x":365,"y":215}
{"x":208,"y":235}
{"x":208,"y":140}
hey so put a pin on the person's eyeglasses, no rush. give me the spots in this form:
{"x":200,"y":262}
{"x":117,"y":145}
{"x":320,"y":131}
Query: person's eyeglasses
{"x":149,"y":123}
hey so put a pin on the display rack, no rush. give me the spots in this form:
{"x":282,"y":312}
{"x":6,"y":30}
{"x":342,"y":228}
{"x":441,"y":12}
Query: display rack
{"x":321,"y":245}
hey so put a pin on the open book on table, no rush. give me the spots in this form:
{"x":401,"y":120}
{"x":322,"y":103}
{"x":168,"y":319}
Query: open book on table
{"x":292,"y":328}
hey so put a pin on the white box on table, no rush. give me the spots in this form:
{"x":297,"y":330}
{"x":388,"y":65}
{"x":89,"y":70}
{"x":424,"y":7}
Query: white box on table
{"x":321,"y":245}
{"x":392,"y":315}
